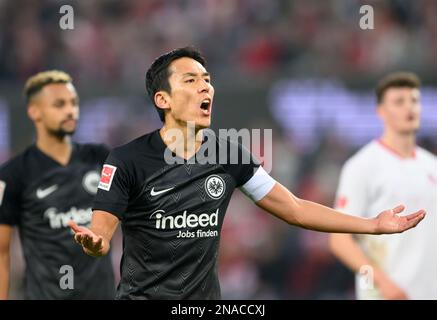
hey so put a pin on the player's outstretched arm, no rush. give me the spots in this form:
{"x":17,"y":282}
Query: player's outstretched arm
{"x":310,"y":215}
{"x":96,"y":239}
{"x":5,"y":240}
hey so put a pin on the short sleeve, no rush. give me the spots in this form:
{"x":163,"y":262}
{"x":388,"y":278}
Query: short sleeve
{"x":102,"y":152}
{"x":240,"y":163}
{"x":114,"y":187}
{"x":10,"y":195}
{"x":351,"y":197}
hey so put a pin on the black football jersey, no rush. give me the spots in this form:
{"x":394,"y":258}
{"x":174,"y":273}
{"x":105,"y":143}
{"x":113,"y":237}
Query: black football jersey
{"x":40,"y":196}
{"x":171,"y":216}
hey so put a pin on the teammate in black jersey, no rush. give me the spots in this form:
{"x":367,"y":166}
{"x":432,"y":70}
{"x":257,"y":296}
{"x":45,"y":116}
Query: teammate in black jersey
{"x":172,"y":214}
{"x":52,"y":182}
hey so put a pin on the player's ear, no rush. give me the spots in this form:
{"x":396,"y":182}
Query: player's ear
{"x":162,"y":99}
{"x":33,"y":112}
{"x":380,"y":110}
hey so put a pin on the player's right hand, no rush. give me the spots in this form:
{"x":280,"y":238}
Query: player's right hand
{"x":91,"y":243}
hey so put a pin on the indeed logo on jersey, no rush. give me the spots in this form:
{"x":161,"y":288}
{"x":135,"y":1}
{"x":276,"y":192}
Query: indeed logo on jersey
{"x":186,"y":220}
{"x":60,"y":219}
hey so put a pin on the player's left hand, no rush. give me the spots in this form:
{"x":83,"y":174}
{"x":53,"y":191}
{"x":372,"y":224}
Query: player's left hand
{"x":389,"y":221}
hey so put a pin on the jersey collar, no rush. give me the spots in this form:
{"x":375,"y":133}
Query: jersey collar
{"x":394,"y":152}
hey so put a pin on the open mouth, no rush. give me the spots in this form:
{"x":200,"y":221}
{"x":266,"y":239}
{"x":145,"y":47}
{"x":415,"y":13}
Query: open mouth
{"x":206,"y":106}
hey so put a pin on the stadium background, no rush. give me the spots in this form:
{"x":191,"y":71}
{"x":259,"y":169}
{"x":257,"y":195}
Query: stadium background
{"x":303,"y":68}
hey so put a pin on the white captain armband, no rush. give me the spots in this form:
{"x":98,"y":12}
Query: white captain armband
{"x":259,"y":185}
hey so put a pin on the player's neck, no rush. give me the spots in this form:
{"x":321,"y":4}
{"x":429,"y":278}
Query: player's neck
{"x":185,"y":140}
{"x":403,"y":145}
{"x":56,"y":148}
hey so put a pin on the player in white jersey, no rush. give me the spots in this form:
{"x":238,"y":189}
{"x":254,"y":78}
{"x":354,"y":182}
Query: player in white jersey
{"x":385,"y":171}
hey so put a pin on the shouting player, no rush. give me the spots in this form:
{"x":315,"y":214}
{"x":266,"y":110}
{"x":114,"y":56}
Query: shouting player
{"x":172,"y":213}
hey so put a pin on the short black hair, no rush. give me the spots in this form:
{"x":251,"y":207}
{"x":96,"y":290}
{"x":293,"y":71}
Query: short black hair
{"x":158,"y":73}
{"x":396,"y":80}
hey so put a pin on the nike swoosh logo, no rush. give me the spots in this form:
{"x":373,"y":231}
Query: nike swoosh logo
{"x":42,"y":193}
{"x":155,"y":193}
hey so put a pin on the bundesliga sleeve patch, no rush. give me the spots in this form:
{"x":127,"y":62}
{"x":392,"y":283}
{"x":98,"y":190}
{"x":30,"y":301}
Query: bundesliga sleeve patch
{"x":2,"y":190}
{"x":108,"y":173}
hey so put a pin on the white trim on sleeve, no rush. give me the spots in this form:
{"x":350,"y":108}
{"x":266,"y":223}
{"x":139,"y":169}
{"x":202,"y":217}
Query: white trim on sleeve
{"x":259,"y":185}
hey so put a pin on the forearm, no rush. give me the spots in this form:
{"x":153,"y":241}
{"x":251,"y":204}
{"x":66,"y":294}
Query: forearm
{"x":4,"y":275}
{"x":310,"y":215}
{"x":314,"y":216}
{"x":347,"y":250}
{"x":344,"y":247}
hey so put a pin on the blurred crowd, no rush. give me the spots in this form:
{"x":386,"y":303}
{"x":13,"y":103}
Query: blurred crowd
{"x":245,"y":41}
{"x":113,"y":41}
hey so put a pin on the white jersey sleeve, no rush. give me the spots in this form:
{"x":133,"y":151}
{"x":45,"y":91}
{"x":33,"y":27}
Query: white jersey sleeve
{"x":352,"y":192}
{"x":259,"y":185}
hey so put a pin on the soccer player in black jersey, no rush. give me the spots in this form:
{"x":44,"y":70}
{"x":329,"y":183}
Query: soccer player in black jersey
{"x":172,"y":213}
{"x":50,"y":183}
